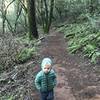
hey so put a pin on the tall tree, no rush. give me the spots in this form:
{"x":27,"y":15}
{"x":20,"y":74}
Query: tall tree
{"x":45,"y":10}
{"x":49,"y":15}
{"x":33,"y":33}
{"x":3,"y":17}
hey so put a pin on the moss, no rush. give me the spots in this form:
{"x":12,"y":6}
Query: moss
{"x":26,"y":54}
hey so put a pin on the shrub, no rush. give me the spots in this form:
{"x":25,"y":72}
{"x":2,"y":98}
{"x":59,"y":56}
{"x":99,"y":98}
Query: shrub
{"x":25,"y":54}
{"x":83,"y":37}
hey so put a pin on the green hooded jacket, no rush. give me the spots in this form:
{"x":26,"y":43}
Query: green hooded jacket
{"x":45,"y":82}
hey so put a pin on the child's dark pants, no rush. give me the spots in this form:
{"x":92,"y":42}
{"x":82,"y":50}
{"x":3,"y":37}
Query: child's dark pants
{"x":49,"y":95}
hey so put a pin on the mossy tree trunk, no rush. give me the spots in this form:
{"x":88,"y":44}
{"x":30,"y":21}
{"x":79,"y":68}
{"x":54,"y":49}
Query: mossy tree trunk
{"x":33,"y":33}
{"x":49,"y":15}
{"x":3,"y":17}
{"x":46,"y":13}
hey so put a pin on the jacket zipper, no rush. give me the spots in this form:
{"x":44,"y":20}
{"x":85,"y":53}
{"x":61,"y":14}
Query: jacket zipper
{"x":47,"y":81}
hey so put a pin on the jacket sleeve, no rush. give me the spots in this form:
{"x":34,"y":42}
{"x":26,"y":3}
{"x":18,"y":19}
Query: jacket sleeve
{"x":55,"y":80}
{"x":38,"y":82}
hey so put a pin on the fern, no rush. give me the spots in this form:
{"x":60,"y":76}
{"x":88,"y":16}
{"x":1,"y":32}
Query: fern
{"x":83,"y":37}
{"x":95,"y":56}
{"x":25,"y":54}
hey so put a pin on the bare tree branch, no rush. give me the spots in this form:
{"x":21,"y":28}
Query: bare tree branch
{"x":23,"y":6}
{"x":9,"y":4}
{"x":18,"y":15}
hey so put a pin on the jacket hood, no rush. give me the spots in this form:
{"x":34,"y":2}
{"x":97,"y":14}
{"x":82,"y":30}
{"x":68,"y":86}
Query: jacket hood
{"x":46,"y":61}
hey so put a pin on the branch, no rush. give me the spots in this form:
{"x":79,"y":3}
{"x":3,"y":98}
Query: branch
{"x":9,"y":5}
{"x":23,"y":6}
{"x":18,"y":14}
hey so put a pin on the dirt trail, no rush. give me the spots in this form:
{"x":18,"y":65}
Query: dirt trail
{"x":77,"y":78}
{"x":54,"y":46}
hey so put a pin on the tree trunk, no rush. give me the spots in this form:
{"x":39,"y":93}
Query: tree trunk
{"x":50,"y":14}
{"x":31,"y":19}
{"x":46,"y":16}
{"x":3,"y":17}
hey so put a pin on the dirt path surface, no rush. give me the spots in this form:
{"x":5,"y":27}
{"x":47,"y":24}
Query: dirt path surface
{"x":76,"y":78}
{"x":54,"y":47}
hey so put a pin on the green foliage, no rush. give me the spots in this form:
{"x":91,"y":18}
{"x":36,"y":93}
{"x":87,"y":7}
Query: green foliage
{"x":83,"y":37}
{"x":28,"y":51}
{"x":94,"y":56}
{"x":7,"y":97}
{"x":26,"y":54}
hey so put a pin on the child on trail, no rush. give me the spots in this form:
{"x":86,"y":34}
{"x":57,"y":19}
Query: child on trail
{"x":45,"y":80}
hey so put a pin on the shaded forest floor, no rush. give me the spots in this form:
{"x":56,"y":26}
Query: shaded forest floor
{"x":77,"y":78}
